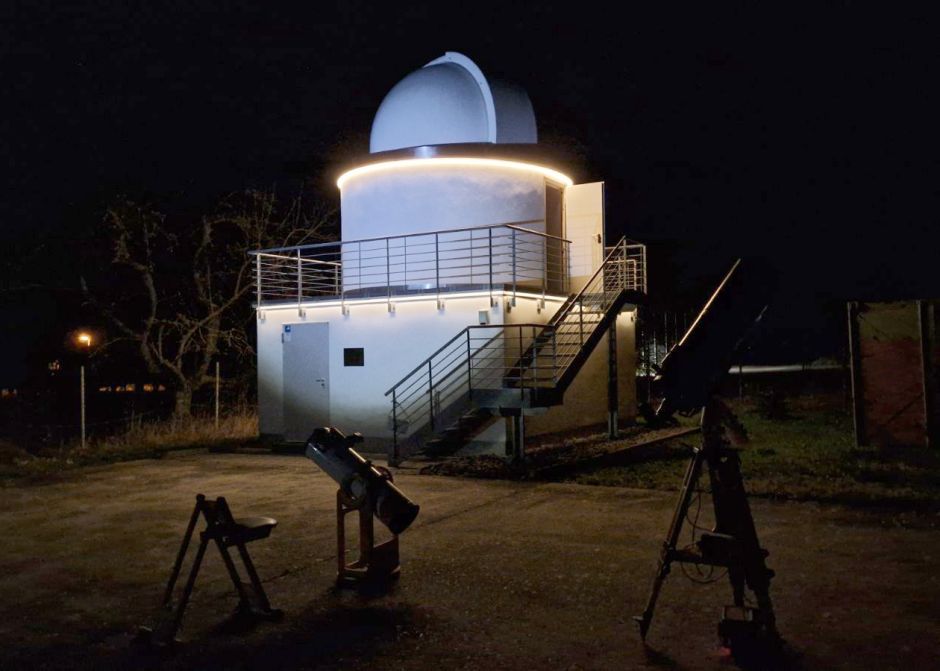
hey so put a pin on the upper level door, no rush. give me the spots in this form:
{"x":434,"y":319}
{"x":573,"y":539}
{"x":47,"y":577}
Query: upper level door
{"x":584,"y":226}
{"x":556,"y":263}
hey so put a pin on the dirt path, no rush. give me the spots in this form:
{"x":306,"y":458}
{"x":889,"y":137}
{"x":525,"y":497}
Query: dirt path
{"x":496,"y":575}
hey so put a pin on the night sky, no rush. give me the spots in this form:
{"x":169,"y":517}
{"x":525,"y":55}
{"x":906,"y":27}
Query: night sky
{"x":801,"y":135}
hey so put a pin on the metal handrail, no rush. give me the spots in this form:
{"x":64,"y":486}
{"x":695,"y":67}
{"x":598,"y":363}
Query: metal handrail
{"x":449,"y":260}
{"x":517,"y":225}
{"x":540,"y":360}
{"x":459,"y":335}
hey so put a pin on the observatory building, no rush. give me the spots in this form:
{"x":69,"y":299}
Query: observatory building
{"x":473,"y":299}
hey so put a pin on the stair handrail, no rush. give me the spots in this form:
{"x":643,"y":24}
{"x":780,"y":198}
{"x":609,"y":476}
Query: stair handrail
{"x":622,"y":243}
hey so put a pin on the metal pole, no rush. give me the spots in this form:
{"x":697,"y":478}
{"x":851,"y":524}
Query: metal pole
{"x":924,"y":321}
{"x":491,"y":264}
{"x":300,"y":283}
{"x":581,"y":320}
{"x":437,"y":269}
{"x":430,"y":394}
{"x":394,"y":459}
{"x":469,"y":367}
{"x":544,"y":269}
{"x":554,"y":356}
{"x":613,"y":391}
{"x":514,"y":267}
{"x":217,"y":387}
{"x":258,"y":279}
{"x":82,"y":394}
{"x":858,"y":403}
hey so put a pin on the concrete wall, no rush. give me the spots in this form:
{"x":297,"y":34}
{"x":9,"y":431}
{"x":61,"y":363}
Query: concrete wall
{"x":394,"y":344}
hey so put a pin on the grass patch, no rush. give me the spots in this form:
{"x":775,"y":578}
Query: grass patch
{"x":144,"y":441}
{"x":809,"y":455}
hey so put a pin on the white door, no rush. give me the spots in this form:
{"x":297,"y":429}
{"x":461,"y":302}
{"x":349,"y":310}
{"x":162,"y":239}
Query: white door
{"x":306,"y":379}
{"x":584,"y":226}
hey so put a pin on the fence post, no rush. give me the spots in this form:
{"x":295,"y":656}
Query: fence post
{"x":82,"y":390}
{"x":217,"y":387}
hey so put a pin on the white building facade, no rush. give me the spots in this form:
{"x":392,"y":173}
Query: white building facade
{"x":471,"y":299}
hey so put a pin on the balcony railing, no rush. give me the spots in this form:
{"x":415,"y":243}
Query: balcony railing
{"x":506,"y":257}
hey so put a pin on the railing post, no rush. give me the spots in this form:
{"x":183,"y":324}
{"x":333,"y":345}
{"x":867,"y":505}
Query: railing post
{"x":554,"y":355}
{"x":430,"y":394}
{"x":388,"y":276}
{"x":490,"y":231}
{"x":437,"y":268}
{"x":258,"y":279}
{"x":300,"y":284}
{"x":545,"y":266}
{"x":469,"y":367}
{"x":338,"y":273}
{"x":513,"y":267}
{"x":522,"y":369}
{"x":394,"y":460}
{"x":535,"y":360}
{"x":581,"y":319}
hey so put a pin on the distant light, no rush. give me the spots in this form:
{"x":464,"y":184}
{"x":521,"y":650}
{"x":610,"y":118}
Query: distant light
{"x":553,"y":175}
{"x":84,"y":338}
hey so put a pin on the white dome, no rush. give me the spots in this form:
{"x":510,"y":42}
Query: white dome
{"x":450,"y":101}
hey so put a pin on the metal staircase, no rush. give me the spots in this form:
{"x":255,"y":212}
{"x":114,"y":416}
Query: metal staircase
{"x":488,"y":371}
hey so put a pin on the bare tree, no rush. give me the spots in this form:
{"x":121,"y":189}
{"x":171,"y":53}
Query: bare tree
{"x":181,"y":294}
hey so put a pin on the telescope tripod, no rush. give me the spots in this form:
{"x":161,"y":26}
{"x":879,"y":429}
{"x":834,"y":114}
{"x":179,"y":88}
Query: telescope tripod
{"x":733,"y":543}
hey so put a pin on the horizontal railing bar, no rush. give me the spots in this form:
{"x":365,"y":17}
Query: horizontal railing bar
{"x":513,"y":225}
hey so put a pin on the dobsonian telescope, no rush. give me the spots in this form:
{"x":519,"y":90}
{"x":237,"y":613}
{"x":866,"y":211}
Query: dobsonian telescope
{"x":688,"y":379}
{"x":368,"y":490}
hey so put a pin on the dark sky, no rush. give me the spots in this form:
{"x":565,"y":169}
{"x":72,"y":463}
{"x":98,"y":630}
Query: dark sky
{"x":803,"y":134}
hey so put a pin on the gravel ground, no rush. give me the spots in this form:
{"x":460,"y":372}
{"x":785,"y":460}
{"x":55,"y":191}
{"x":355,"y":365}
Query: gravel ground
{"x":496,"y":575}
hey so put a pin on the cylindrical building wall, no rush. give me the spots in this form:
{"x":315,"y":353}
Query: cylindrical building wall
{"x":423,"y":196}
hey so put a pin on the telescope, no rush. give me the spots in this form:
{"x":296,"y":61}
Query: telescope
{"x":689,"y":378}
{"x":691,"y":372}
{"x":361,"y":483}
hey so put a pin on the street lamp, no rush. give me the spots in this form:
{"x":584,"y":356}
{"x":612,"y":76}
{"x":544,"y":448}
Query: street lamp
{"x":84,"y":339}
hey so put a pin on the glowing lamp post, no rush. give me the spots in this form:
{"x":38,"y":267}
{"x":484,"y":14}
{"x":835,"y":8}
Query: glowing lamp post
{"x":84,"y":340}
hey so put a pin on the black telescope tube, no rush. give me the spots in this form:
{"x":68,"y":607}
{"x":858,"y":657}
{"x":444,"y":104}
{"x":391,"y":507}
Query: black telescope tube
{"x":693,"y":369}
{"x":329,"y":449}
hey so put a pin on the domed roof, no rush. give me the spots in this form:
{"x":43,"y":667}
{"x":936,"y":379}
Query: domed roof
{"x":451,"y":101}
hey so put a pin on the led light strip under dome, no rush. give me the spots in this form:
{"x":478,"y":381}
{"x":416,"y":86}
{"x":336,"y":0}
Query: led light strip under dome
{"x":548,"y":173}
